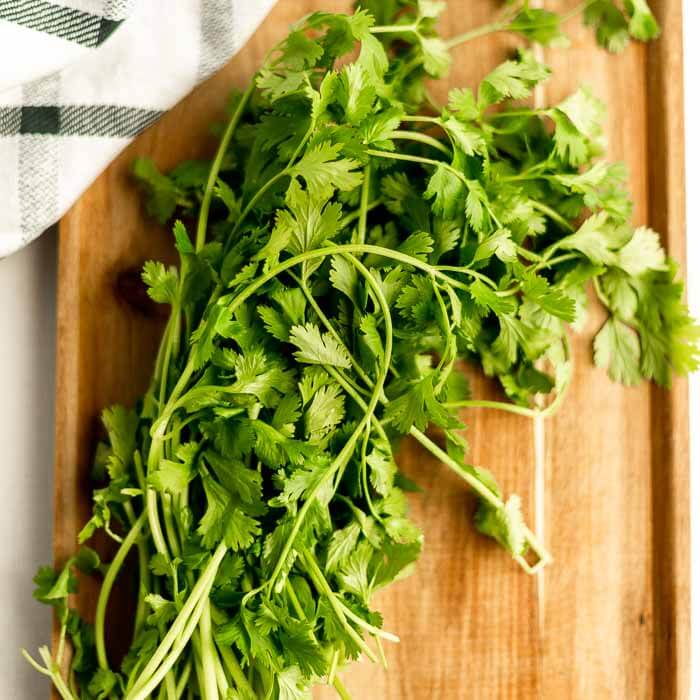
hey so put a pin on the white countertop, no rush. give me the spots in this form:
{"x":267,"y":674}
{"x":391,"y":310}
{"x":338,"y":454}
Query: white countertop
{"x":27,"y":340}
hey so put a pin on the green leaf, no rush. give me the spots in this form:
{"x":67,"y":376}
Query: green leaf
{"x":162,"y":195}
{"x":486,"y":297}
{"x":341,"y":545}
{"x":324,"y":172}
{"x":593,"y":239}
{"x":643,"y":25}
{"x":316,"y":348}
{"x":436,"y":56}
{"x":552,"y":300}
{"x":469,"y":138}
{"x":382,"y":470}
{"x":102,"y":684}
{"x":506,"y":524}
{"x":641,"y":253}
{"x":448,"y":191}
{"x":617,"y":348}
{"x":325,"y":411}
{"x":499,"y":244}
{"x":356,"y":92}
{"x":162,"y":283}
{"x":539,"y":26}
{"x":462,"y":102}
{"x":511,"y":80}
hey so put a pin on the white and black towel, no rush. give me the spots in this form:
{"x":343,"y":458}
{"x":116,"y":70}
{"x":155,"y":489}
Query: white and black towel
{"x":80,"y":78}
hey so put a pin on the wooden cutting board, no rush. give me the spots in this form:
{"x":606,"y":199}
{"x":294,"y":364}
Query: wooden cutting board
{"x":605,"y":482}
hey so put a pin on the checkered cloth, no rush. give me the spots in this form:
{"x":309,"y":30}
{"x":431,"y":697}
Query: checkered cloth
{"x":84,"y":78}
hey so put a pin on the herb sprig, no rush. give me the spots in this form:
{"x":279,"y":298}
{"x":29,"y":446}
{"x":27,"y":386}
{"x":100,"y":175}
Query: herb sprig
{"x":349,"y":245}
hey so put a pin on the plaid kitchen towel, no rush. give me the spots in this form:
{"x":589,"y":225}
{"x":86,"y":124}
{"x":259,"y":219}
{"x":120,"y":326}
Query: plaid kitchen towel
{"x":80,"y":78}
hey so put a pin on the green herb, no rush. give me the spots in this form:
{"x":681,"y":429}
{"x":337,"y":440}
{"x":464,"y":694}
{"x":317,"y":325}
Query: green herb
{"x":351,"y":246}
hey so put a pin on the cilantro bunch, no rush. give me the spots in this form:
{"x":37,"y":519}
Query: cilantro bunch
{"x":349,"y":246}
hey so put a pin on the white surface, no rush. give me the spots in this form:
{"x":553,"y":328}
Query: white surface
{"x":691,"y":19}
{"x":27,"y":340}
{"x":27,"y":334}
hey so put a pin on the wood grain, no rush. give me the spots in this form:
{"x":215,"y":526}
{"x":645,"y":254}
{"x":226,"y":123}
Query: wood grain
{"x":610,"y":617}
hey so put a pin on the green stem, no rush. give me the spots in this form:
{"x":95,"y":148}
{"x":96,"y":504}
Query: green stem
{"x":349,"y":218}
{"x":324,"y":588}
{"x":216,"y":165}
{"x":182,"y":681}
{"x":602,"y":296}
{"x":191,"y":611}
{"x":421,"y":138}
{"x":489,"y":496}
{"x":105,"y":590}
{"x":253,"y":287}
{"x":340,"y":378}
{"x":51,"y":671}
{"x":144,"y":576}
{"x":554,"y":215}
{"x":517,"y":113}
{"x":253,"y":201}
{"x":363,"y":474}
{"x":556,"y":261}
{"x":418,"y":159}
{"x":364,"y":204}
{"x":342,"y":691}
{"x":394,"y":29}
{"x":498,"y":405}
{"x":142,"y":692}
{"x":421,"y":118}
{"x":289,"y":590}
{"x":455,"y":41}
{"x":209,"y":690}
{"x":234,"y":668}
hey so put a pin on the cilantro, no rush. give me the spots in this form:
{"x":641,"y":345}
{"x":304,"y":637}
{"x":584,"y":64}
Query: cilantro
{"x":351,"y":252}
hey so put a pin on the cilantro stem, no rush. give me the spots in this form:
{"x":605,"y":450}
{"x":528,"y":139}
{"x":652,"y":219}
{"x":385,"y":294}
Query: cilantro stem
{"x":144,"y":577}
{"x":253,"y":287}
{"x":183,"y":680}
{"x":364,"y":205}
{"x":342,"y":691}
{"x":154,"y":523}
{"x":105,"y":590}
{"x":209,"y":688}
{"x":421,"y":138}
{"x":394,"y":29}
{"x":466,"y":271}
{"x":230,"y":661}
{"x":552,"y":214}
{"x":216,"y":165}
{"x":349,"y":218}
{"x":556,"y":261}
{"x":517,"y":113}
{"x":418,"y":159}
{"x":289,"y":590}
{"x":498,"y":405}
{"x":363,"y":475}
{"x":322,"y":586}
{"x":474,"y":34}
{"x":340,"y":378}
{"x":234,"y":668}
{"x":489,"y":496}
{"x":190,"y":611}
{"x":420,"y":118}
{"x":603,"y":298}
{"x":142,"y":692}
{"x":252,"y":202}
